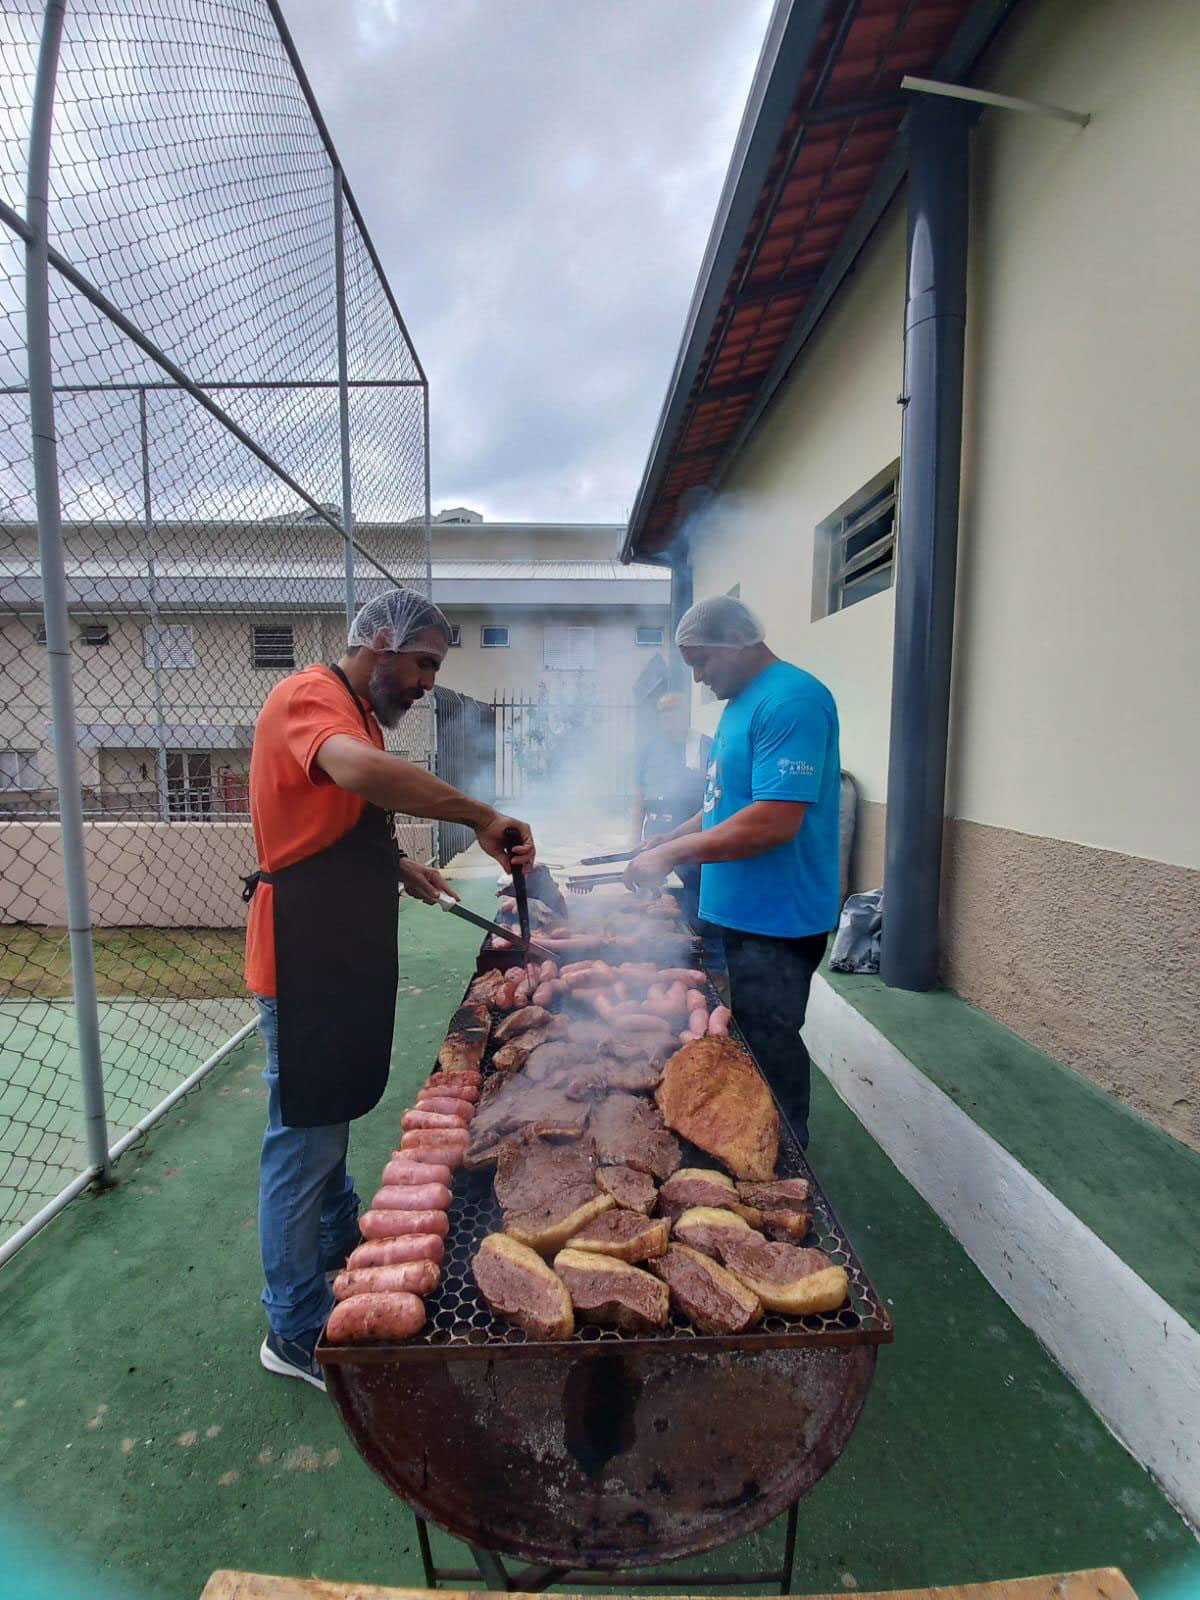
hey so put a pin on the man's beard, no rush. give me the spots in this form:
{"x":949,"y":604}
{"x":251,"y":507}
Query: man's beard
{"x":387,"y":701}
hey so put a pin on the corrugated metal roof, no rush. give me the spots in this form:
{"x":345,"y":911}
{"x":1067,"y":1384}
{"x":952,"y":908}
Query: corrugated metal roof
{"x":265,"y":567}
{"x":819,"y":156}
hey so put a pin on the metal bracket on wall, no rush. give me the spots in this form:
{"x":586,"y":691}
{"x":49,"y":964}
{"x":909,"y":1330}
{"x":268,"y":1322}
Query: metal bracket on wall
{"x":985,"y":97}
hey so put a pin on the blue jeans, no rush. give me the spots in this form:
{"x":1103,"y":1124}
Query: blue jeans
{"x":307,"y":1207}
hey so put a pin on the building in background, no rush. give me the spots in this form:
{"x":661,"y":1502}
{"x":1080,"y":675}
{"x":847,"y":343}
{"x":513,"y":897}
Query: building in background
{"x":542,"y":613}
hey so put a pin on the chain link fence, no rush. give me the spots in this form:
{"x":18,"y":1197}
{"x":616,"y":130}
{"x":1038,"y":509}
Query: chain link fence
{"x":213,"y":443}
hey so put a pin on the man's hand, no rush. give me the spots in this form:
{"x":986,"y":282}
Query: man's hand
{"x":649,"y":867}
{"x":491,"y":837}
{"x":423,"y":883}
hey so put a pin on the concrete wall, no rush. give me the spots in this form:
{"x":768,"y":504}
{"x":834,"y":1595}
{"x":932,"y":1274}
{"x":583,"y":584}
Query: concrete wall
{"x":1069,"y":875}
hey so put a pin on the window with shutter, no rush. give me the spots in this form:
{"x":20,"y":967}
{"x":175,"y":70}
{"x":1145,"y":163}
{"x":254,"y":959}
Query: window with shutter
{"x":175,"y":648}
{"x":273,"y":647}
{"x":18,"y":769}
{"x":568,"y":649}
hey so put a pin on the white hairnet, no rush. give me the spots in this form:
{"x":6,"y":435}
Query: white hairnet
{"x":390,"y":621}
{"x":721,"y":621}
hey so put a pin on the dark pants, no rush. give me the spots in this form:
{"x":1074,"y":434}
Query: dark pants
{"x":769,"y":980}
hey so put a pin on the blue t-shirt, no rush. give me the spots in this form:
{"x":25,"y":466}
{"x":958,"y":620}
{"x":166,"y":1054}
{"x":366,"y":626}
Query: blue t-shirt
{"x":777,"y":740}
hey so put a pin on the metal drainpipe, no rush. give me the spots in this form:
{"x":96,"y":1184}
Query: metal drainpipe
{"x":54,"y":595}
{"x":930,"y":464}
{"x":681,"y":598}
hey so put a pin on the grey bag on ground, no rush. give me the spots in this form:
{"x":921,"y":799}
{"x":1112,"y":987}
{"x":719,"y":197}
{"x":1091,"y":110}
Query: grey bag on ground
{"x":856,"y":943}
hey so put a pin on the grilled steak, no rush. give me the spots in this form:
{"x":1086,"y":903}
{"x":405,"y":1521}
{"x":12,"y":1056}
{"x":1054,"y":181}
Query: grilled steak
{"x":516,"y":1104}
{"x":712,"y":1093}
{"x":784,"y":1207}
{"x":485,"y":986}
{"x":633,"y":1073}
{"x":612,"y":1292}
{"x":708,"y":1296}
{"x":785,"y":1278}
{"x":629,"y":1132}
{"x":518,"y":1285}
{"x":466,"y":1039}
{"x":631,"y":1189}
{"x":627,"y":1235}
{"x":518,"y":1022}
{"x":511,"y":1057}
{"x":547,"y":1191}
{"x":703,"y":1186}
{"x":554,"y":1061}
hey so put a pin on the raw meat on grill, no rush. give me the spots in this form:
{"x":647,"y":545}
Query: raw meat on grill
{"x":704,"y":1292}
{"x":519,"y":1286}
{"x":785,"y":1278}
{"x":466,"y":1038}
{"x":612,"y":1292}
{"x":703,"y":1186}
{"x":632,"y":1190}
{"x":712,"y":1093}
{"x":547,"y":1191}
{"x":625,"y":1235}
{"x":628,"y":1131}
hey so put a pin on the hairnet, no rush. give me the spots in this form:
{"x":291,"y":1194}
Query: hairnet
{"x":721,"y":621}
{"x":390,"y":620}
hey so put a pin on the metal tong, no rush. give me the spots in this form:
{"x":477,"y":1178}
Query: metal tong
{"x":510,"y":935}
{"x":520,"y":888}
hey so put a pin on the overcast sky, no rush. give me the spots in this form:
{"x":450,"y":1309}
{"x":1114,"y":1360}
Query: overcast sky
{"x":539,"y":177}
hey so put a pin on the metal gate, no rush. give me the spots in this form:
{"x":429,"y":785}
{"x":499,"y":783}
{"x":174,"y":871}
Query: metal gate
{"x":567,"y":749}
{"x":466,"y":757}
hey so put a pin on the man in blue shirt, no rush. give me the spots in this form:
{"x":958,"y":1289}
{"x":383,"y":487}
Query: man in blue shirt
{"x":766,"y":836}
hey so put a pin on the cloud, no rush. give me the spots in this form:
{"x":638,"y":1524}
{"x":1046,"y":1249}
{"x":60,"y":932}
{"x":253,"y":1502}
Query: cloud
{"x":539,"y":177}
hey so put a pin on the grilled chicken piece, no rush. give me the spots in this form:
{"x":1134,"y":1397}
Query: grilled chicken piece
{"x":704,"y":1292}
{"x":612,"y":1292}
{"x":519,"y":1286}
{"x":466,"y":1039}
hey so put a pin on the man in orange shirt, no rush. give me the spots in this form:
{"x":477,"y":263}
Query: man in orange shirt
{"x":321,"y":956}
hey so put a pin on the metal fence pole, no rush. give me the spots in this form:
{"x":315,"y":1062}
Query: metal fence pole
{"x":160,"y":752}
{"x":343,"y":365}
{"x":54,"y":591}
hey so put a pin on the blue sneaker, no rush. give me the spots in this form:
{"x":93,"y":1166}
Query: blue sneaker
{"x":292,"y":1358}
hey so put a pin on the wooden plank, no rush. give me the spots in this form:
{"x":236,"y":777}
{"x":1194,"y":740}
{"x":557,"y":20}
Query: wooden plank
{"x":1099,"y":1583}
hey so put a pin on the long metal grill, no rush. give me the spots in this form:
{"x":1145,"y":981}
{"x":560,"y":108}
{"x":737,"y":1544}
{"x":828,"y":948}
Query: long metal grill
{"x":461,"y":1325}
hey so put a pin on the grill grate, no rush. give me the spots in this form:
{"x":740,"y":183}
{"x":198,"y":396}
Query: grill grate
{"x":460,"y":1324}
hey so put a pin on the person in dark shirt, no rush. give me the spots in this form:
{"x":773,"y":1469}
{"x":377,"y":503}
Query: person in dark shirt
{"x":670,"y":787}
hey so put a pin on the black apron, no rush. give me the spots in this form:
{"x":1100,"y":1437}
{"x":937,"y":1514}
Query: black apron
{"x":336,"y":969}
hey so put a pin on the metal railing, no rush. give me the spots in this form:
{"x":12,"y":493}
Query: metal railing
{"x":580,"y":745}
{"x":213,"y":445}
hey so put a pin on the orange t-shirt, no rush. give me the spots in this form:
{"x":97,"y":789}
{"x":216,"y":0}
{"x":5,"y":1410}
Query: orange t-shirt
{"x":295,"y":808}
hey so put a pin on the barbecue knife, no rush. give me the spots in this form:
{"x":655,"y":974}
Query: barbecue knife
{"x":531,"y":946}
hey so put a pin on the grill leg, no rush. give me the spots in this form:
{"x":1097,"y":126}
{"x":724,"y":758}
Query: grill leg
{"x":789,"y":1549}
{"x":431,"y":1581}
{"x":491,"y":1568}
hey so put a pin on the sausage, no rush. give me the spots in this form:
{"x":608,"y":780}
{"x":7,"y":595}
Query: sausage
{"x":470,"y":1076}
{"x":370,"y":1317}
{"x":688,"y":1037}
{"x":696,"y":1000}
{"x":420,"y":1117}
{"x":571,"y":968}
{"x":411,"y":1197}
{"x":410,"y":1247}
{"x":390,"y":1224}
{"x":548,"y":969}
{"x":411,"y":1277}
{"x":698,"y":1022}
{"x":603,"y":1007}
{"x":461,"y":1096}
{"x":436,"y":1139}
{"x":415,"y":1173}
{"x":543,"y":994}
{"x":719,"y":1022}
{"x":677,"y":995}
{"x":685,"y":975}
{"x":640,"y":1022}
{"x":447,"y":1105}
{"x":459,"y":1088}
